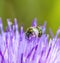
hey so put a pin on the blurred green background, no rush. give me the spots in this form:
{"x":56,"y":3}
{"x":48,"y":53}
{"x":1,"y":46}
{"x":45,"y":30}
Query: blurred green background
{"x":26,"y":10}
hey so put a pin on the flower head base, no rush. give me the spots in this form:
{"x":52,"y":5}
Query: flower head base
{"x":15,"y":48}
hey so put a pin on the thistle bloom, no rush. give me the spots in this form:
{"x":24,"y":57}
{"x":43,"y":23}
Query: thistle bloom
{"x":15,"y":48}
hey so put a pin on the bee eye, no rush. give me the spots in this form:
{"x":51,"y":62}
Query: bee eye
{"x":40,"y":33}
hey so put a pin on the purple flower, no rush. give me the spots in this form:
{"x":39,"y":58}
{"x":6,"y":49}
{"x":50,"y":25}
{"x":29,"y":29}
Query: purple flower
{"x":15,"y":48}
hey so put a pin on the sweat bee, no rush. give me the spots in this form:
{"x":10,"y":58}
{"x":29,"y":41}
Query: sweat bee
{"x":34,"y":31}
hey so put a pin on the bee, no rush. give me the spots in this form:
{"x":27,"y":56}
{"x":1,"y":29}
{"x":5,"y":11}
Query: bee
{"x":34,"y":31}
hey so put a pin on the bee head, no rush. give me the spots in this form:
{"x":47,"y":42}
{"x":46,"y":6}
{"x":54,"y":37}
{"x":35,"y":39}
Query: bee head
{"x":39,"y":31}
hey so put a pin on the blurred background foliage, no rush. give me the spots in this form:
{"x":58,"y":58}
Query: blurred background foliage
{"x":26,"y":10}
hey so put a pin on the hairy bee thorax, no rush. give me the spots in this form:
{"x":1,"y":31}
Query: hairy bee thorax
{"x":34,"y":31}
